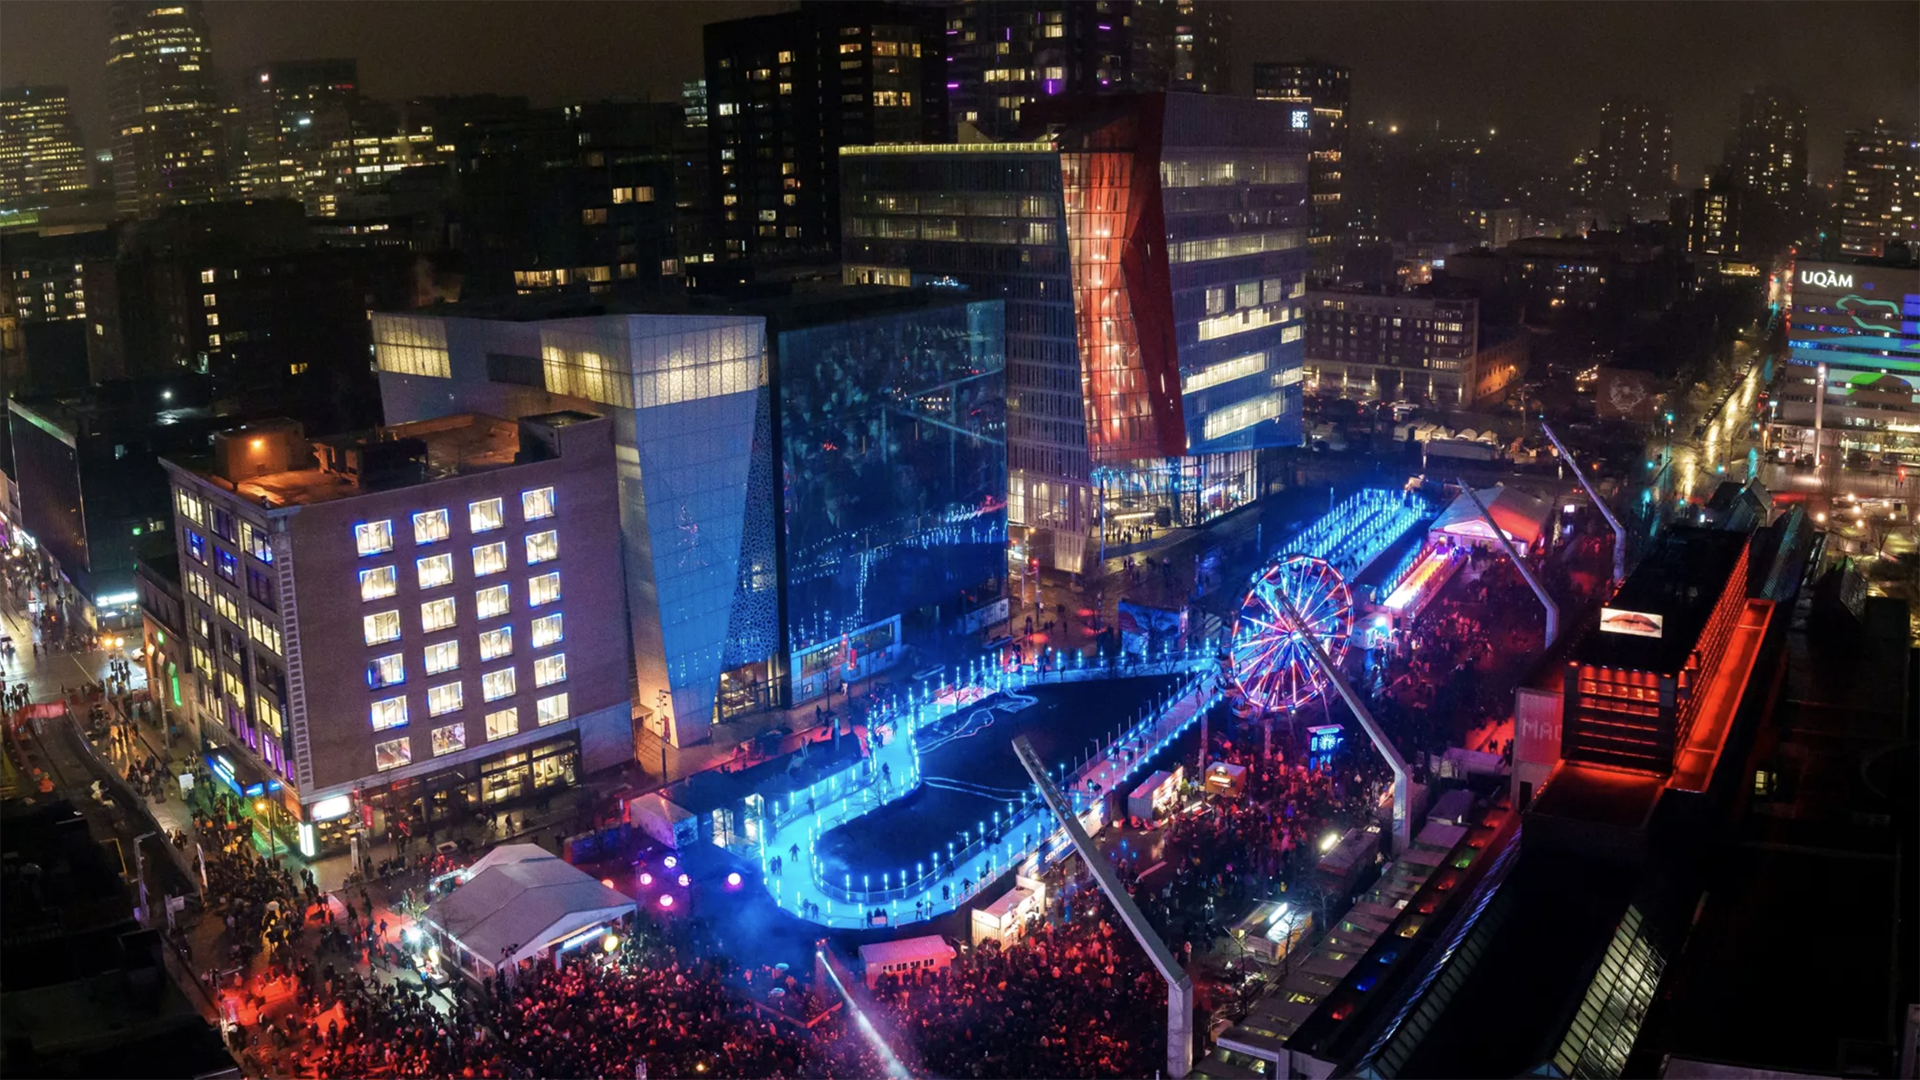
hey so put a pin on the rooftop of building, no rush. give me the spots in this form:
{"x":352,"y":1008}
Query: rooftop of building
{"x":789,"y":305}
{"x":121,"y":406}
{"x":1824,"y":848}
{"x":1678,"y":581}
{"x":383,"y":459}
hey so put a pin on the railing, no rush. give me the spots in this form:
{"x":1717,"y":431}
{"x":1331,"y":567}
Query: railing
{"x":1029,"y":819}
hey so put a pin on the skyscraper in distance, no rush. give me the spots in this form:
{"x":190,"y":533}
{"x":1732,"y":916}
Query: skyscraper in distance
{"x":1203,"y":56}
{"x":1004,"y":57}
{"x":1768,"y":149}
{"x":160,"y":98}
{"x":292,"y":111}
{"x":786,"y":91}
{"x":1631,"y":169}
{"x":1327,"y":89}
{"x":1880,"y":189}
{"x":40,"y":149}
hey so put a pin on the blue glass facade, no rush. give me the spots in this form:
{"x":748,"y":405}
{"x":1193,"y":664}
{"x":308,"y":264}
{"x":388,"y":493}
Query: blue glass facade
{"x":892,"y":440}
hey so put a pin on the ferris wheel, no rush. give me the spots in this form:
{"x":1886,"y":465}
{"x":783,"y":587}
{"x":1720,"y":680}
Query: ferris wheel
{"x":1271,"y":665}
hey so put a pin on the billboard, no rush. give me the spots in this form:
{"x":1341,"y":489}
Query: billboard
{"x":1636,"y":623}
{"x":1536,"y":725}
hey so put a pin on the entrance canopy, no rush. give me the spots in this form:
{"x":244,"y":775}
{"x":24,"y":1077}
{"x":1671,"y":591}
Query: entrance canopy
{"x":1521,"y":516}
{"x":518,"y":901}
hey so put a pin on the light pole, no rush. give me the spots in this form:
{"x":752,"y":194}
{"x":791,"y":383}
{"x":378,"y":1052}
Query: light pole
{"x":265,"y":806}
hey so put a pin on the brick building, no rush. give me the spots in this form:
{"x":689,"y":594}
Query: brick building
{"x":381,"y":621}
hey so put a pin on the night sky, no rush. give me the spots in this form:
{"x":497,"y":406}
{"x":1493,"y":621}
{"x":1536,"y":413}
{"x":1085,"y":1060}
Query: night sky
{"x":1528,"y":68}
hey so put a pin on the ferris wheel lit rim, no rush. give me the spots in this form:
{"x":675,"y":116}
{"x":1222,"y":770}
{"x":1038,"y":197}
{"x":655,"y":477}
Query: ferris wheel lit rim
{"x":1272,"y":666}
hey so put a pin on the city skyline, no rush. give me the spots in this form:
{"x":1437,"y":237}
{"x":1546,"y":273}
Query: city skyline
{"x":1415,"y":66}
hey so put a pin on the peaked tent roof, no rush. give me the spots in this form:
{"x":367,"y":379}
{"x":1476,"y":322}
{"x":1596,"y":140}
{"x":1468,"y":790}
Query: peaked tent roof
{"x":519,"y":895}
{"x":1520,"y":515}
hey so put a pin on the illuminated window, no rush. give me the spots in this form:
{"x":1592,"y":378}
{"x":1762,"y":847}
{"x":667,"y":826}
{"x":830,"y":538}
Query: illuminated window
{"x":392,"y":754}
{"x":544,"y":589}
{"x":550,"y":669}
{"x":442,"y":700}
{"x":379,"y":583}
{"x":267,"y":712}
{"x":495,"y":644}
{"x":503,"y":723}
{"x":442,"y":656}
{"x":495,"y":685}
{"x":485,"y":515}
{"x":448,"y":739}
{"x":213,"y":318}
{"x":595,"y":215}
{"x":490,"y":602}
{"x":389,"y":670}
{"x":489,"y":559}
{"x":381,"y":626}
{"x":547,"y":630}
{"x":437,"y":614}
{"x":373,"y":537}
{"x":264,"y":632}
{"x":551,"y":710}
{"x":536,"y":504}
{"x":434,"y":571}
{"x":198,"y":585}
{"x":209,"y":300}
{"x":206,"y":277}
{"x":389,"y":713}
{"x":228,"y":610}
{"x":430,"y":526}
{"x":543,"y":547}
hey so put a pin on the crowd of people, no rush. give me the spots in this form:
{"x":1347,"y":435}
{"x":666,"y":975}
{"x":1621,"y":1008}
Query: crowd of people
{"x":659,"y":1005}
{"x":1074,"y":999}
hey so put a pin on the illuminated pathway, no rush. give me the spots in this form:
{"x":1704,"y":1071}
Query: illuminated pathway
{"x":800,"y":886}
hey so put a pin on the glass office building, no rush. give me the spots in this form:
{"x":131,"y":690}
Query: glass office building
{"x":1152,"y":251}
{"x":893,"y":466}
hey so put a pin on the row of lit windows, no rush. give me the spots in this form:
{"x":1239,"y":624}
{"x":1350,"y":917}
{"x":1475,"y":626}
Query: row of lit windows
{"x":452,"y":738}
{"x":431,"y":526}
{"x":444,"y":656}
{"x":435,"y":571}
{"x":389,"y":713}
{"x":491,"y":602}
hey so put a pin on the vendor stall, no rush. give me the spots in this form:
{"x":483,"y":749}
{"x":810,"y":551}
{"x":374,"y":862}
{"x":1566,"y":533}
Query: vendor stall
{"x":1156,"y":795}
{"x":928,"y":953}
{"x":1006,"y":919}
{"x":1272,"y":929}
{"x":1226,"y":779}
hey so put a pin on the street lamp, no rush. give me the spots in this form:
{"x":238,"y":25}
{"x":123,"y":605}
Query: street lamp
{"x":265,"y":806}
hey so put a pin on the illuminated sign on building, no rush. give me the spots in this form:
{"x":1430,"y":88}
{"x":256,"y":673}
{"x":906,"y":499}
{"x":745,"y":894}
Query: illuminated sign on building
{"x":1636,"y":623}
{"x":1826,"y":279}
